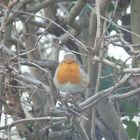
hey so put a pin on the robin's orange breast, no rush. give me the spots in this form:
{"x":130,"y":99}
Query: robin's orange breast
{"x":68,"y":72}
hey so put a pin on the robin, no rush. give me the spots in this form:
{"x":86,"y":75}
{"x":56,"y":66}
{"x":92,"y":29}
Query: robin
{"x":70,"y":76}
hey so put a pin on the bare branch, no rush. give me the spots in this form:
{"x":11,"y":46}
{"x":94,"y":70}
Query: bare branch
{"x":80,"y":129}
{"x":126,"y":95}
{"x":32,"y":120}
{"x":102,"y":94}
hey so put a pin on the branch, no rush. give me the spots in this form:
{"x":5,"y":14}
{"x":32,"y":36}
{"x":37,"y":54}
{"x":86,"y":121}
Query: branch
{"x":10,"y":18}
{"x":102,"y":94}
{"x":115,"y":24}
{"x":27,"y":79}
{"x":80,"y":129}
{"x":33,"y":120}
{"x":76,"y":9}
{"x":80,"y":44}
{"x":130,"y":48}
{"x":126,"y":95}
{"x":41,"y":64}
{"x":106,"y":62}
{"x":41,"y":5}
{"x":93,"y":20}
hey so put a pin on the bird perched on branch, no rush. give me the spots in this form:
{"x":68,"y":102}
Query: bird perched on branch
{"x":70,"y":77}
